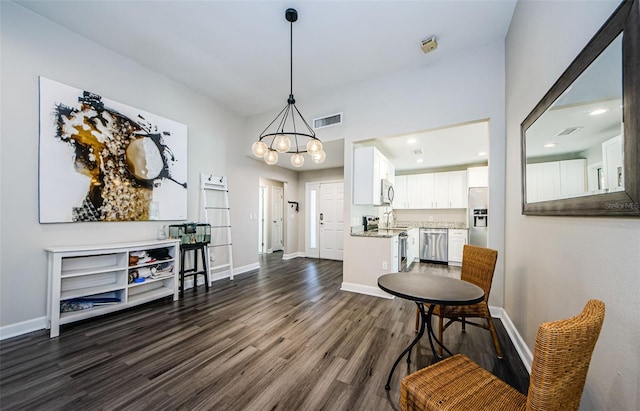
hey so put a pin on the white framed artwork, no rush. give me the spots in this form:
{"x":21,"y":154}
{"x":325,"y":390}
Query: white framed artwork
{"x":101,"y":160}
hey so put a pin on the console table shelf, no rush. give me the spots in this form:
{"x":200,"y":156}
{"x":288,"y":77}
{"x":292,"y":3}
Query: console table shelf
{"x":94,"y":280}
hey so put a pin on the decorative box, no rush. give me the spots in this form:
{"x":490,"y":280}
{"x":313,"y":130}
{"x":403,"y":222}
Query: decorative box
{"x":191,"y":233}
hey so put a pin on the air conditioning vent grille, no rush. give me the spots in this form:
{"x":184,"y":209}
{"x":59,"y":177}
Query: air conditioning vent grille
{"x":568,"y":130}
{"x":327,"y":121}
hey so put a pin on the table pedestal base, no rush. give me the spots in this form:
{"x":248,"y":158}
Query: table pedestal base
{"x":424,"y":318}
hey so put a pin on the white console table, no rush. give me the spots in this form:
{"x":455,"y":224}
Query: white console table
{"x":102,"y":273}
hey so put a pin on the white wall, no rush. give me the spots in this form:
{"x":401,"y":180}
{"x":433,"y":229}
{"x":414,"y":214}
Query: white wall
{"x":33,"y":46}
{"x":555,"y":264}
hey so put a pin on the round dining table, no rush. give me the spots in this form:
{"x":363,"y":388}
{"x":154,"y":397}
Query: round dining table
{"x":423,"y":288}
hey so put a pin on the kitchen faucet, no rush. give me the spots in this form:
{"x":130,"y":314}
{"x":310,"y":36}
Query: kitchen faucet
{"x":386,"y":216}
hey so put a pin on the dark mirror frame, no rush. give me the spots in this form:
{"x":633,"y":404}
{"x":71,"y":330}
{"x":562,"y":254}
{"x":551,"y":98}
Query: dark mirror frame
{"x":626,"y":20}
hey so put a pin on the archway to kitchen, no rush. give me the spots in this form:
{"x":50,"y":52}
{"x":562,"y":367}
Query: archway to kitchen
{"x":433,"y":174}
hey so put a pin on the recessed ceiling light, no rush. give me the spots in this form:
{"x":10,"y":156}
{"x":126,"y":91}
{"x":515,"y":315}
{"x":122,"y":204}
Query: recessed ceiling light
{"x":419,"y":160}
{"x":549,"y":145}
{"x":482,"y":153}
{"x":598,"y":111}
{"x":411,"y":141}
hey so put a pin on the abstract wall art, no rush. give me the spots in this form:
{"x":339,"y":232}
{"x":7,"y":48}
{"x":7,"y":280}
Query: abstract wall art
{"x":101,"y":160}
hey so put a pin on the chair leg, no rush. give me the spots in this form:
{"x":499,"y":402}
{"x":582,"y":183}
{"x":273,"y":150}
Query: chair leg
{"x":440,"y":330}
{"x":494,"y":335}
{"x":182,"y":252}
{"x":205,"y":263}
{"x":463,"y":320}
{"x":417,"y":319}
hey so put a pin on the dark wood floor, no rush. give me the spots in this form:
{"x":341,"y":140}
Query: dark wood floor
{"x":283,"y":337}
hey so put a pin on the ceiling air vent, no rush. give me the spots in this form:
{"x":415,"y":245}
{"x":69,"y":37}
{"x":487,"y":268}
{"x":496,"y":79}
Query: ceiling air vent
{"x":568,"y":130}
{"x":417,"y":152}
{"x":327,"y":121}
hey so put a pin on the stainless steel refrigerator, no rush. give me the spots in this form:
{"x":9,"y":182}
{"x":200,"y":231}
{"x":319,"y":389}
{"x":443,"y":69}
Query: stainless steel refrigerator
{"x":478,"y":215}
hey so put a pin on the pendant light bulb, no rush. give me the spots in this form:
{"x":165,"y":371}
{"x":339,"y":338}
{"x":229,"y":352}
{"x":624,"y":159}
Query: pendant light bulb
{"x":259,"y":149}
{"x":319,"y":157}
{"x":271,"y":157}
{"x":297,"y":160}
{"x":314,"y":146}
{"x":281,"y":143}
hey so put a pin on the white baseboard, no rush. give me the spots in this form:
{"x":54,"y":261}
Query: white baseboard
{"x":518,"y":342}
{"x":24,"y":327}
{"x":246,"y":268}
{"x":292,"y":255}
{"x":365,"y":289}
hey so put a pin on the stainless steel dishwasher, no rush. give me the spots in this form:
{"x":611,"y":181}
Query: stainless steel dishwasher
{"x":434,"y":245}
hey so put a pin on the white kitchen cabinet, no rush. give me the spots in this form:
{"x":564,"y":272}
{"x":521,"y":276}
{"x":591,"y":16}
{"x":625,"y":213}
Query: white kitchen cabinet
{"x":441,"y":190}
{"x":395,"y":254}
{"x":369,"y":168}
{"x":413,"y":245}
{"x":457,"y":239}
{"x":400,"y":200}
{"x":556,"y":179}
{"x":458,"y":190}
{"x":451,"y":189}
{"x":87,"y":281}
{"x":478,"y":176}
{"x":573,"y":177}
{"x":420,"y":191}
{"x":612,"y":155}
{"x":433,"y":190}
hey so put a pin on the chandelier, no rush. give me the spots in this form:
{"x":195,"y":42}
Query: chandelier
{"x":289,"y":132}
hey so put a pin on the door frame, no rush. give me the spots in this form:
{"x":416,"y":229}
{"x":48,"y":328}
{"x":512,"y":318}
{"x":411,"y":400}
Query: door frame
{"x":315,"y":252}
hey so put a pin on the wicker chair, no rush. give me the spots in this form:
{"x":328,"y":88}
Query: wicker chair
{"x":560,"y":363}
{"x":478,"y":265}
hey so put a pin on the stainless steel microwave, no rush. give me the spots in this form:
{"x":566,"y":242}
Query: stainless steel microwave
{"x":386,"y":194}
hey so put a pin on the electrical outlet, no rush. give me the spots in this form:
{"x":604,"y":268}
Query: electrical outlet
{"x":385,"y":265}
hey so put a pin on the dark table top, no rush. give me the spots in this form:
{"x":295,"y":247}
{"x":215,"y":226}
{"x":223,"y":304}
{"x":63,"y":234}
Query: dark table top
{"x":431,"y":289}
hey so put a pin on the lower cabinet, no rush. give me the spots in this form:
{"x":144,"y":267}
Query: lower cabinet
{"x":412,"y":246}
{"x":457,"y":239}
{"x":87,"y":281}
{"x":395,"y":254}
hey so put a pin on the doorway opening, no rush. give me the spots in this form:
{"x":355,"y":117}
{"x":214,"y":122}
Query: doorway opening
{"x":271,"y":221}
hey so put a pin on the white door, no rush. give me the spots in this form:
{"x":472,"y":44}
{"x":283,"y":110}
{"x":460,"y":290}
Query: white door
{"x":276,"y":218}
{"x":325,"y":220}
{"x":331,"y":220}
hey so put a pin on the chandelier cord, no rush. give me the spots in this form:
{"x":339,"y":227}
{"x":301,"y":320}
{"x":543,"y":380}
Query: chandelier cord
{"x":291,"y":60}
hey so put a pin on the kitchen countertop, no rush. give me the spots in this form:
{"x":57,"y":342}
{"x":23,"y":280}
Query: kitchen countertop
{"x":358,"y":231}
{"x":381,"y":233}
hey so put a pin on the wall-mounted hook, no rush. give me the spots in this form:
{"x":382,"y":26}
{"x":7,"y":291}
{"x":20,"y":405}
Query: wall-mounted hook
{"x":296,"y":205}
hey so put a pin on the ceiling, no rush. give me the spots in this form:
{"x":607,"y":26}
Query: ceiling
{"x":456,"y":146}
{"x":237,"y":52}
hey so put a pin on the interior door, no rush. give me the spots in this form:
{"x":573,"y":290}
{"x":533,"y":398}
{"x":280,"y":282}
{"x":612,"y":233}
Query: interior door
{"x":276,"y":218}
{"x":331,"y":220}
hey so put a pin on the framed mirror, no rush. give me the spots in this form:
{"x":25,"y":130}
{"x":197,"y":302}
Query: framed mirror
{"x":581,"y":143}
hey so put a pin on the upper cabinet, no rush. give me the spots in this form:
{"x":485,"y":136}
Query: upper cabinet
{"x":431,"y":190}
{"x":556,"y":179}
{"x":400,"y":200}
{"x":370,"y":167}
{"x":478,"y":176}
